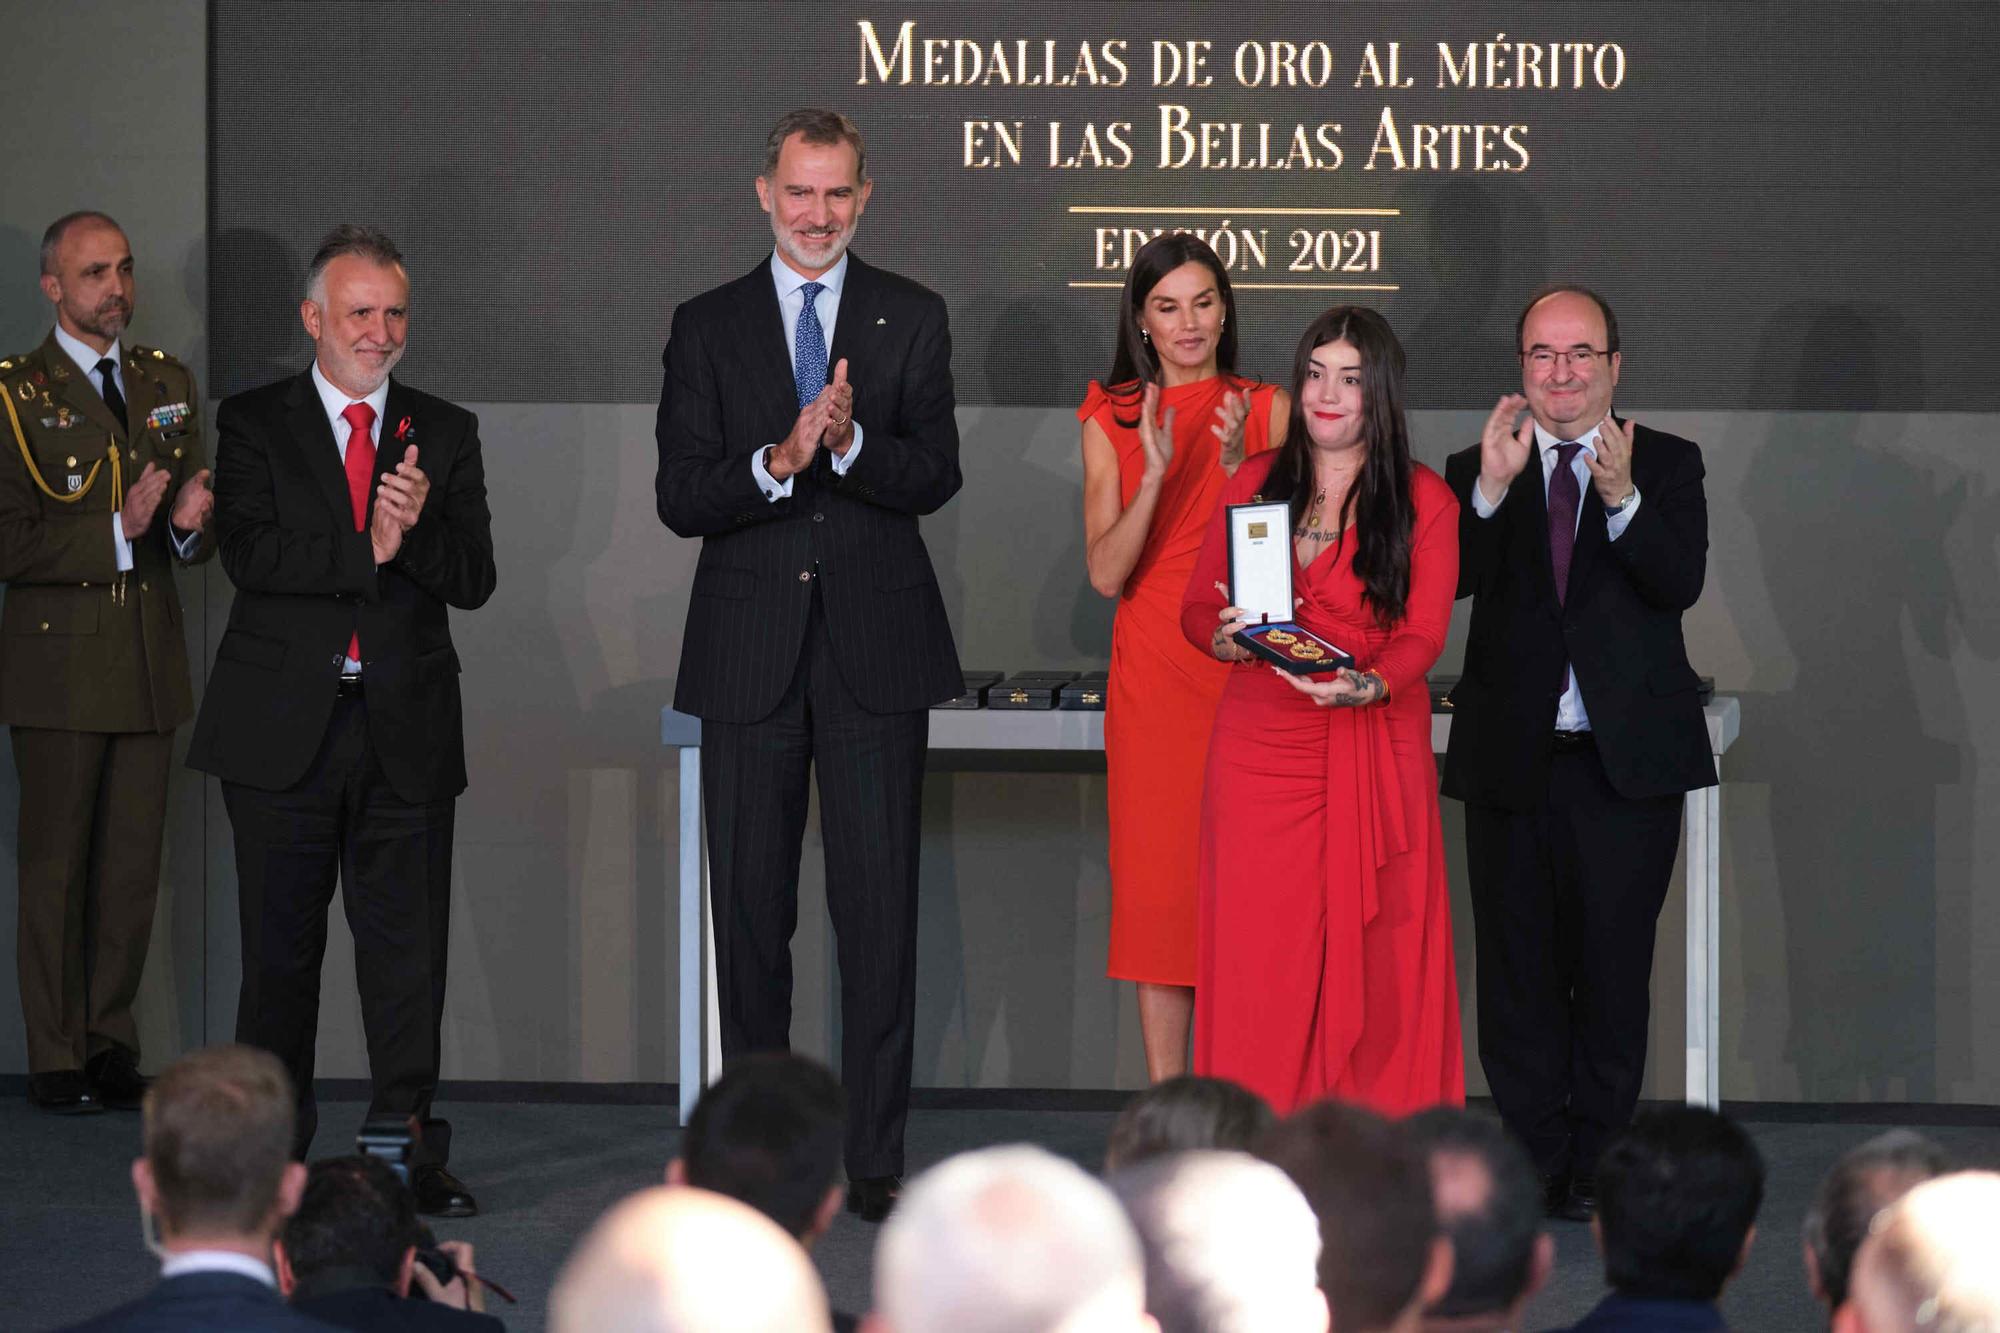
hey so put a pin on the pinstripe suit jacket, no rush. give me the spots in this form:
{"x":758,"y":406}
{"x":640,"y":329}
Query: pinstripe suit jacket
{"x":728,"y":392}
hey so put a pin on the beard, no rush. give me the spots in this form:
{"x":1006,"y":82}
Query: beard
{"x":367,"y":375}
{"x":107,"y":321}
{"x":821,"y":256}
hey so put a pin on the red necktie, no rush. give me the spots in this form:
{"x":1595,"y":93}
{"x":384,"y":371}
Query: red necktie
{"x":360,"y":469}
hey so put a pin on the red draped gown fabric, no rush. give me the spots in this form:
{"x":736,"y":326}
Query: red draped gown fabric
{"x":1163,"y":692}
{"x":1325,"y":952}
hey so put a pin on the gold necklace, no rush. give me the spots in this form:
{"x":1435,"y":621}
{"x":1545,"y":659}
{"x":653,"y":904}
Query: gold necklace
{"x":1312,"y":515}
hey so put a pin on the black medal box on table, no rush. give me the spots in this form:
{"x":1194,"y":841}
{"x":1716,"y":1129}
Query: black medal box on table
{"x":1028,"y":690}
{"x":1085,"y":694}
{"x":976,"y":685}
{"x":1291,"y":648}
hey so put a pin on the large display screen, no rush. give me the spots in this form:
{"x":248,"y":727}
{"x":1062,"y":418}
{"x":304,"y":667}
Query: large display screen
{"x":1790,"y":205}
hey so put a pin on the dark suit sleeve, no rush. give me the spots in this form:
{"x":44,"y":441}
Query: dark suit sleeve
{"x":258,"y":552}
{"x":1478,"y":538}
{"x":1664,"y":550}
{"x":703,"y":487}
{"x":449,"y":553}
{"x":915,"y":470}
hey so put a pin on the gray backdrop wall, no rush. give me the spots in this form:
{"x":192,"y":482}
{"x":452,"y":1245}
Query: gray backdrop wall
{"x":1852,"y":603}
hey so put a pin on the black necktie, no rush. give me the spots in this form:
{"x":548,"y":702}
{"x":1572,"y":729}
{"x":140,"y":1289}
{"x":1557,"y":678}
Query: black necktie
{"x":107,"y":371}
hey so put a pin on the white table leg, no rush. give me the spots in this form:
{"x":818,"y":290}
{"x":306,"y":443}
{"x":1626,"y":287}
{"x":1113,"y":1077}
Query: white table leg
{"x":1704,"y":947}
{"x":693,"y":890}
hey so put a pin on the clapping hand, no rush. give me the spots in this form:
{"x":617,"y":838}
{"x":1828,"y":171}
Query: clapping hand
{"x":1611,"y":466}
{"x":399,"y":501}
{"x":1504,"y":448}
{"x":1230,"y":414}
{"x":839,"y":397}
{"x":142,"y":501}
{"x":1156,"y":438}
{"x":795,"y":455}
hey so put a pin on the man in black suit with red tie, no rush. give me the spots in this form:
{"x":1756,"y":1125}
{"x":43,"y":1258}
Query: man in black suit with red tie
{"x":805,"y":424}
{"x":351,"y":512}
{"x":1576,"y":731}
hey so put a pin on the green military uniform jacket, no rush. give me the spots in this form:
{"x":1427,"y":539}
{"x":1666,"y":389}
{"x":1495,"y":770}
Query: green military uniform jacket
{"x":83,"y":648}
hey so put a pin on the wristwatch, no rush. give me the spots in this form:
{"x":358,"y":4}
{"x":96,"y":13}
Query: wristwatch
{"x":1631,"y":498}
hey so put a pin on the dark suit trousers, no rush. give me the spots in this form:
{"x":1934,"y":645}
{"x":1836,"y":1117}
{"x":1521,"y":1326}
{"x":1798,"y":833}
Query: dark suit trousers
{"x":93,"y":806}
{"x":392,"y":859}
{"x":1565,"y":900}
{"x":870,"y":769}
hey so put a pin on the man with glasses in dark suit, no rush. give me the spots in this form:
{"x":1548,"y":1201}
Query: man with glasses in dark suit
{"x":805,"y":424}
{"x":1576,"y":732}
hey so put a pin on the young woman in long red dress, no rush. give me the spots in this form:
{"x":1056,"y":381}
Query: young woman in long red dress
{"x":1158,"y":445}
{"x":1325,"y":953}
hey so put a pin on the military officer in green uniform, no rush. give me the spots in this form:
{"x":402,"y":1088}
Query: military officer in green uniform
{"x":102,"y":492}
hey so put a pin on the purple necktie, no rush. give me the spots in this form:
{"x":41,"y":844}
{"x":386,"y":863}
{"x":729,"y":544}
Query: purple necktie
{"x":1564,"y":496}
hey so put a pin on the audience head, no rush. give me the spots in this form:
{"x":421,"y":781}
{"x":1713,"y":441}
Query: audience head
{"x":1177,"y":310}
{"x":1230,"y":1245}
{"x":1867,"y":1179}
{"x":216,"y":1171}
{"x":1489,"y":1203}
{"x":769,"y":1132}
{"x":1931,"y":1263}
{"x":1007,"y":1239}
{"x":684,"y":1260}
{"x":1185,"y":1113}
{"x":1381,"y":1259}
{"x":355,"y":1217}
{"x":1677,"y":1199}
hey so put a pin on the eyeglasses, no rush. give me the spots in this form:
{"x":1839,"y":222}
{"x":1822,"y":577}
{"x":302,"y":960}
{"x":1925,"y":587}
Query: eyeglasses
{"x":1579,"y":358}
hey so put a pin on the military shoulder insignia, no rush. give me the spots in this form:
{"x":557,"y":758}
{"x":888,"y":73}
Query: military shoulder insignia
{"x":149,"y":354}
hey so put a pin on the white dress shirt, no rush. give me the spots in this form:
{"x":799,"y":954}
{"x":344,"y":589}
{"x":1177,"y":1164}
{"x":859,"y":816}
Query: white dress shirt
{"x":791,"y":304}
{"x":1570,"y":712}
{"x":86,"y":359}
{"x":218,"y":1261}
{"x":336,"y":402}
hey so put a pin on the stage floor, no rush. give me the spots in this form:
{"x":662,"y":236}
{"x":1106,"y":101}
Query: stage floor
{"x":69,"y":1228}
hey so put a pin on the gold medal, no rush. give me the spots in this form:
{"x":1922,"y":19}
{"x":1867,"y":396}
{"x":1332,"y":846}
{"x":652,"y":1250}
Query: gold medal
{"x":1279,"y":636}
{"x":1307,"y":652}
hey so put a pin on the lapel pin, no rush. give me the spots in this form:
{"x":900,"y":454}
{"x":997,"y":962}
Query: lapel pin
{"x":404,"y":431}
{"x":880,"y":320}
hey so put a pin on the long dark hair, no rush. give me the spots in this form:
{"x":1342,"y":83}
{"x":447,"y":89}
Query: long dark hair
{"x":1134,"y":363}
{"x":1378,"y":502}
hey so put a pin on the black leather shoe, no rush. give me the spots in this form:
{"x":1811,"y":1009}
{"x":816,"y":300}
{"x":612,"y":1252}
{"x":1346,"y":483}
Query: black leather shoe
{"x":441,"y":1194}
{"x":1580,"y":1204}
{"x":65,"y":1092}
{"x":115,"y":1079}
{"x":872,"y":1198}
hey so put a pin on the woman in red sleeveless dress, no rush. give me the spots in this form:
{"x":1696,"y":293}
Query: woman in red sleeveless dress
{"x":1158,"y":445}
{"x":1325,"y":938}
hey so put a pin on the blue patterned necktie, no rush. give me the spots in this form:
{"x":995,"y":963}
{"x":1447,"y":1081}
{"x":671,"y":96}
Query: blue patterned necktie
{"x":809,"y":347}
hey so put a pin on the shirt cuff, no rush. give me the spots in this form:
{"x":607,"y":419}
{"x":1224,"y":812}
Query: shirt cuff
{"x":774,"y":490}
{"x":123,"y":547}
{"x":842,"y":462}
{"x":185,"y":544}
{"x":1479,"y":504}
{"x":1616,"y":523}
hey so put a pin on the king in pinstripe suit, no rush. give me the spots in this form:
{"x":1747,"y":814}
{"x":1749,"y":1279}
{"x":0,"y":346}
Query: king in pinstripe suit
{"x":816,"y":637}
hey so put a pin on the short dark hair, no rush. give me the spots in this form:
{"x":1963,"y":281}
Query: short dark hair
{"x":1186,"y":1113}
{"x":217,"y":1127}
{"x":769,"y":1132}
{"x":350,"y":239}
{"x":1370,"y":1187}
{"x":1677,"y":1193}
{"x":1557,"y":289}
{"x":1492,"y":1243}
{"x":356,"y":1213}
{"x":1867,"y":1178}
{"x":52,"y":238}
{"x":815,"y":125}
